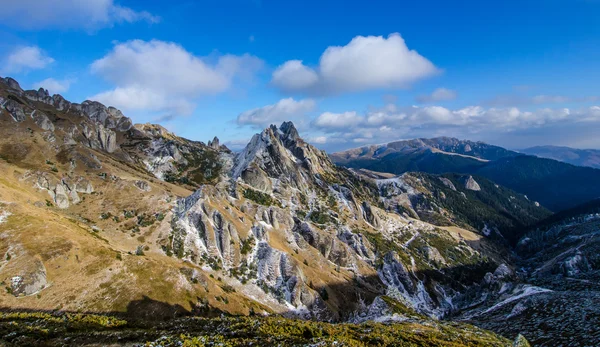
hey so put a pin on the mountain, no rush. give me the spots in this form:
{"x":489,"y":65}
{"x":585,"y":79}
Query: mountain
{"x":579,"y":157}
{"x":108,"y":227}
{"x":561,"y":255}
{"x":553,"y":184}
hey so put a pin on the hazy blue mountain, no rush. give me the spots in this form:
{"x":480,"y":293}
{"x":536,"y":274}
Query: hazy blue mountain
{"x":575,"y":156}
{"x":554,"y":184}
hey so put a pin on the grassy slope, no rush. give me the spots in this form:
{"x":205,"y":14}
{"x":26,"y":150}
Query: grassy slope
{"x":77,"y":329}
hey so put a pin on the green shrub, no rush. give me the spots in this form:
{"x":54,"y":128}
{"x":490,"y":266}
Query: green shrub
{"x":259,"y":197}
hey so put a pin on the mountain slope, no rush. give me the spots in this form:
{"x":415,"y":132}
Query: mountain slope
{"x":469,"y":202}
{"x":100,"y":215}
{"x":579,"y":157}
{"x":555,"y":185}
{"x":560,"y":254}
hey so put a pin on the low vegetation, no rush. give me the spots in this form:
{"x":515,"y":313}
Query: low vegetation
{"x":259,"y":197}
{"x":55,"y":329}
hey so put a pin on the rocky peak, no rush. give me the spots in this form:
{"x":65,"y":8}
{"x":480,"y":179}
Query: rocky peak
{"x":43,"y":92}
{"x":289,"y":131}
{"x":279,"y":153}
{"x":214,"y":143}
{"x":110,"y":117}
{"x":12,"y":83}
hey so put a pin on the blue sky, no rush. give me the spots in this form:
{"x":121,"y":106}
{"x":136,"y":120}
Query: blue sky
{"x":348,"y":73}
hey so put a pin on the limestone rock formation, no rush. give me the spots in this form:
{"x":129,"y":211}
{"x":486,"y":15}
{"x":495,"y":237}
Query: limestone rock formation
{"x":471,"y":184}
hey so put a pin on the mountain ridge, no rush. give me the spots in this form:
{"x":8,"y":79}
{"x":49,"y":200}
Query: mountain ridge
{"x":138,"y":214}
{"x":554,"y":184}
{"x":574,"y":156}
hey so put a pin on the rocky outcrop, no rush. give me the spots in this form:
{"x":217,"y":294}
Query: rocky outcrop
{"x":15,"y":110}
{"x":448,"y":183}
{"x":369,"y":215}
{"x":99,"y":137}
{"x":63,"y":192}
{"x":471,"y":184}
{"x":358,"y":243}
{"x":574,"y":265}
{"x":30,"y":281}
{"x":108,"y":117}
{"x":142,"y":185}
{"x":214,"y":144}
{"x":42,"y":120}
{"x":11,"y":83}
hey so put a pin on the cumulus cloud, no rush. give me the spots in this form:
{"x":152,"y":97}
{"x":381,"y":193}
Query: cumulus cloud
{"x":367,"y":62}
{"x":392,"y":123}
{"x":163,"y":76}
{"x":26,"y":58}
{"x":69,"y":14}
{"x":338,"y":121}
{"x":54,"y":86}
{"x":440,"y":94}
{"x":284,"y":110}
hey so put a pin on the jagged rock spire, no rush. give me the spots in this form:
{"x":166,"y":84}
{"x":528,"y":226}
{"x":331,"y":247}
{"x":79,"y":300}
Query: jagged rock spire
{"x":289,"y":130}
{"x":214,"y":143}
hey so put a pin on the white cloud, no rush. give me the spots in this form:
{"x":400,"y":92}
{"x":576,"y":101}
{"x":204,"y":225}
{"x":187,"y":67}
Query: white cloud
{"x":440,"y":94}
{"x":367,"y":62}
{"x":54,"y":86}
{"x":139,"y":98}
{"x":163,"y":76}
{"x":69,"y":14}
{"x":336,"y":121}
{"x":391,"y":122}
{"x":284,"y":110}
{"x":294,"y":76}
{"x":26,"y":58}
{"x":318,"y":140}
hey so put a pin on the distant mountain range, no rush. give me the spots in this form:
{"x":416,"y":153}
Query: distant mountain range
{"x":580,"y":157}
{"x":554,"y":184}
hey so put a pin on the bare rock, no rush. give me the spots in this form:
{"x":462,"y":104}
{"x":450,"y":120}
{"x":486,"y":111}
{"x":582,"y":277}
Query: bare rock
{"x":15,"y":110}
{"x":142,"y":185}
{"x":448,"y":183}
{"x":471,"y":184}
{"x":29,"y":282}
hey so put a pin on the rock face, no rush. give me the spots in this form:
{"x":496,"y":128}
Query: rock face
{"x":284,"y":194}
{"x":448,"y":183}
{"x":281,"y":155}
{"x":214,"y":144}
{"x":29,"y":282}
{"x":174,"y":159}
{"x":15,"y":110}
{"x":142,"y":185}
{"x":62,"y":192}
{"x":471,"y":184}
